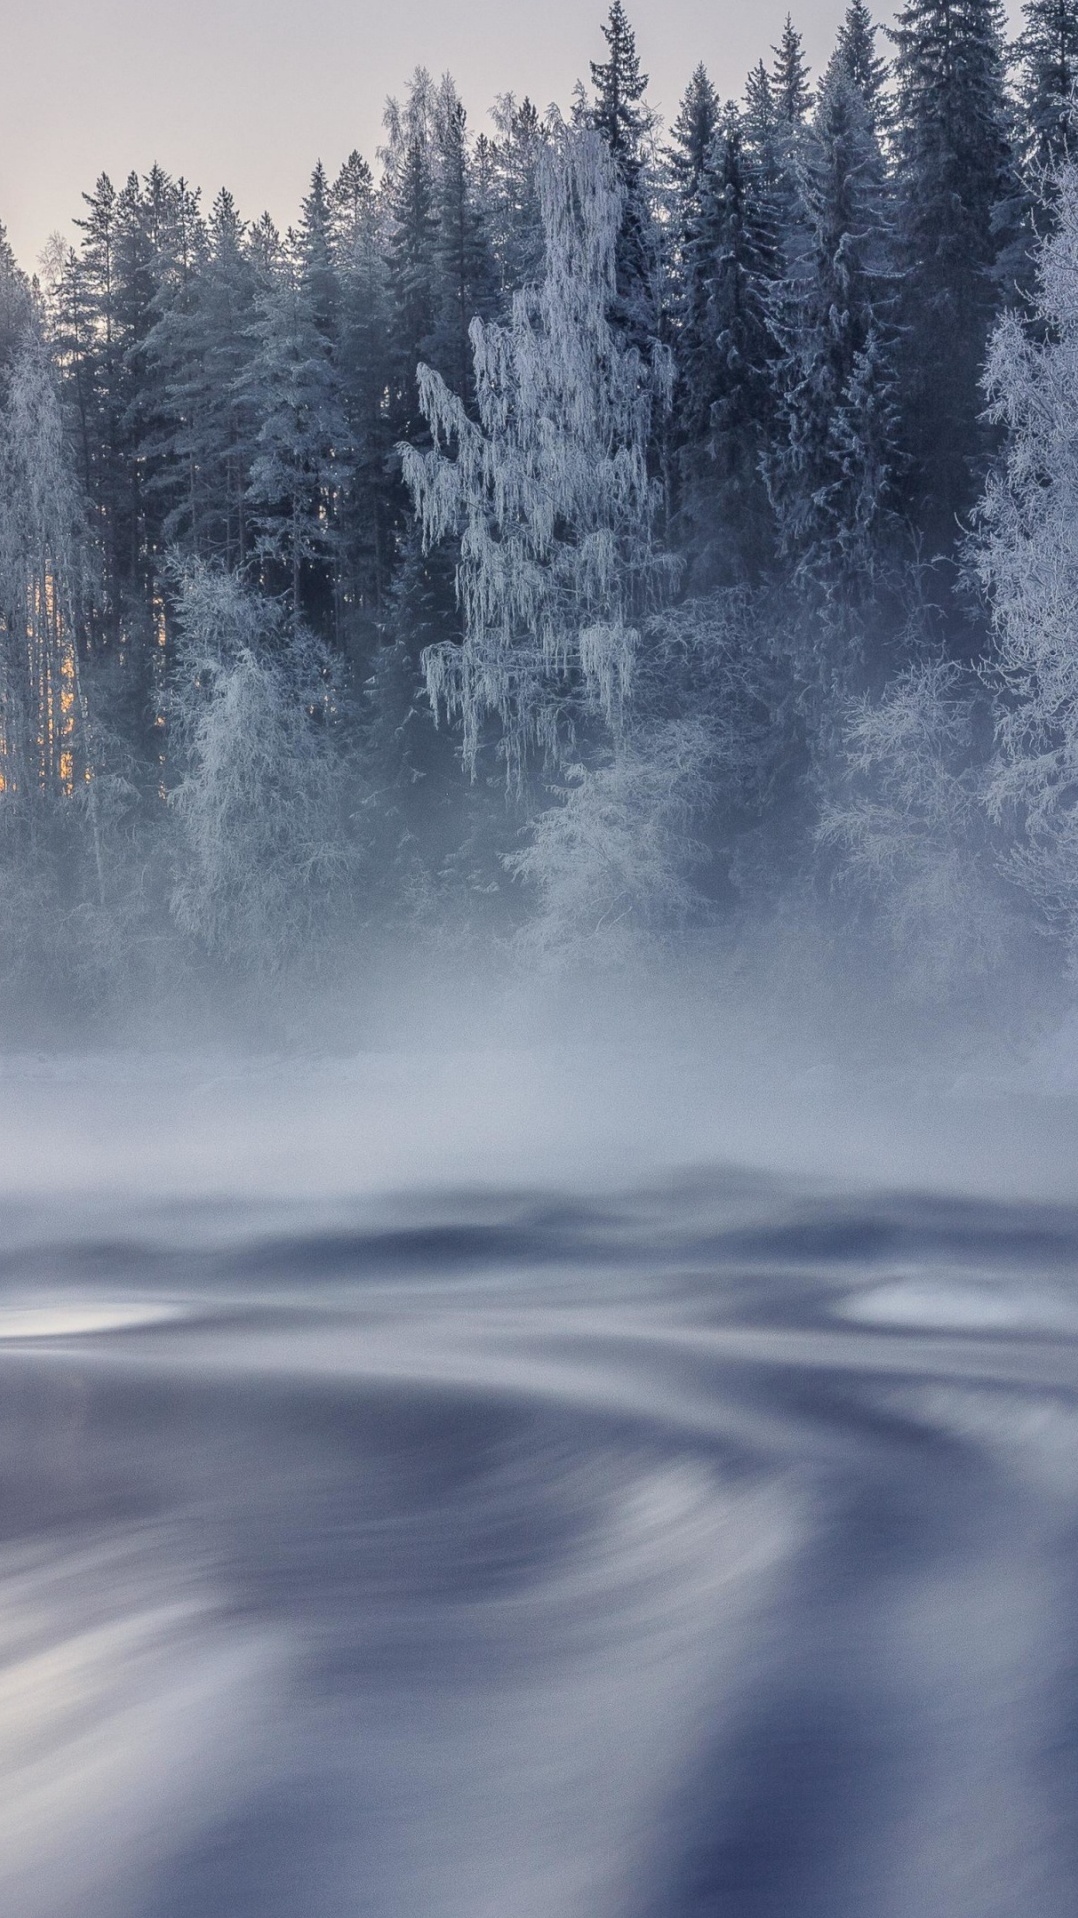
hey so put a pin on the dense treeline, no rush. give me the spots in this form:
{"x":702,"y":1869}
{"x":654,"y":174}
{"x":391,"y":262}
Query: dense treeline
{"x":580,"y":525}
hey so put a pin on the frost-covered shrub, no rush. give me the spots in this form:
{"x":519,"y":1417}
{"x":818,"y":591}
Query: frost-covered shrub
{"x":612,"y":858}
{"x":718,"y":660}
{"x":908,"y":825}
{"x":624,"y":852}
{"x":1027,"y":558}
{"x":260,"y":806}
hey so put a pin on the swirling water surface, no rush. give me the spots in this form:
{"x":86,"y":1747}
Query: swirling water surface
{"x":703,"y":1546}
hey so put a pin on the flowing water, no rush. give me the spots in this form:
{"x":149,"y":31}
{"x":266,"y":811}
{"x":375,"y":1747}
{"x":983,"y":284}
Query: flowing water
{"x":401,"y":1517}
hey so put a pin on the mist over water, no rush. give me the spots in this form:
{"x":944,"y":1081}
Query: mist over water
{"x":634,"y":1480}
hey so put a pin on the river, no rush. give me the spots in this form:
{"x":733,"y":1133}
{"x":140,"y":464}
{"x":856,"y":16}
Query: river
{"x":492,"y":1489}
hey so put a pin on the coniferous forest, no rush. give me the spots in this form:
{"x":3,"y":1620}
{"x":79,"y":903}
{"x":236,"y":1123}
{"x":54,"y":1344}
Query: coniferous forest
{"x":576,"y":534}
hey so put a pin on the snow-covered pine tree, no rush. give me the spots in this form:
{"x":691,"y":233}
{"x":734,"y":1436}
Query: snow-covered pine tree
{"x":69,"y":311}
{"x":129,"y":251}
{"x":317,"y":257}
{"x":954,"y":171}
{"x":102,"y":394}
{"x":365,"y":509}
{"x":301,"y":437}
{"x":722,"y":349}
{"x":622,"y":120}
{"x":770,"y":143}
{"x":689,"y":261}
{"x":514,"y":217}
{"x":202,"y":344}
{"x":161,"y":243}
{"x":856,"y":48}
{"x":466,"y":283}
{"x":1048,"y":72}
{"x":618,"y":112}
{"x":790,"y":89}
{"x":690,"y":143}
{"x":1026,"y":554}
{"x":549,"y":491}
{"x":831,"y":466}
{"x":411,"y":243}
{"x":1048,"y":51}
{"x":765,"y":144}
{"x":14,"y":304}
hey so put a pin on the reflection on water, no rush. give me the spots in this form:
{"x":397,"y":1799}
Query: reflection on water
{"x":703,"y":1549}
{"x":57,"y":1318}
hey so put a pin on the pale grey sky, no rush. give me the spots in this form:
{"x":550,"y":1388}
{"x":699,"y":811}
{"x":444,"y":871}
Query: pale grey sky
{"x":249,"y":93}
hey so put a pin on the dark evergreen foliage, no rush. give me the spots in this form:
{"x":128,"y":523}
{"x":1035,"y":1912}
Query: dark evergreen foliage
{"x":467,"y":275}
{"x":1048,"y":71}
{"x":856,"y":48}
{"x":790,"y":88}
{"x":832,"y":463}
{"x":619,"y":115}
{"x":723,"y":351}
{"x":954,"y":171}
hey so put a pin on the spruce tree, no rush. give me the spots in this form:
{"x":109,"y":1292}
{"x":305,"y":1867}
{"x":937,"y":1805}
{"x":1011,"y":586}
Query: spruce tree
{"x":690,"y":139}
{"x":15,"y":304}
{"x":411,"y":252}
{"x":776,"y":104}
{"x":365,"y":371}
{"x":466,"y":275}
{"x":293,"y":390}
{"x":514,"y":218}
{"x":317,"y":257}
{"x":203,"y":347}
{"x":790,"y":88}
{"x":856,"y":48}
{"x":690,"y":261}
{"x":831,"y":468}
{"x":722,"y":348}
{"x":1048,"y":72}
{"x":954,"y":172}
{"x":622,"y":121}
{"x":103,"y":397}
{"x":764,"y":138}
{"x":139,"y":248}
{"x":617,"y":112}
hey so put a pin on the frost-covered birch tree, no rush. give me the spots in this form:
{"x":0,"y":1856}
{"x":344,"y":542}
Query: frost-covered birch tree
{"x":548,"y":490}
{"x":1027,"y":558}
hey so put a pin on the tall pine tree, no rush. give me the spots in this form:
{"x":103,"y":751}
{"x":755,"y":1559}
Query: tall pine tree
{"x":722,"y":349}
{"x":856,"y":48}
{"x":466,"y":275}
{"x":293,"y":390}
{"x":790,"y":88}
{"x":1048,"y":57}
{"x":365,"y":510}
{"x":955,"y":170}
{"x":831,"y":469}
{"x":620,"y":117}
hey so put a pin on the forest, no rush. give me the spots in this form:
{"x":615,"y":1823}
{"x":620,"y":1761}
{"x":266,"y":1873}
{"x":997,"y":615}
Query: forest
{"x":577,"y":538}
